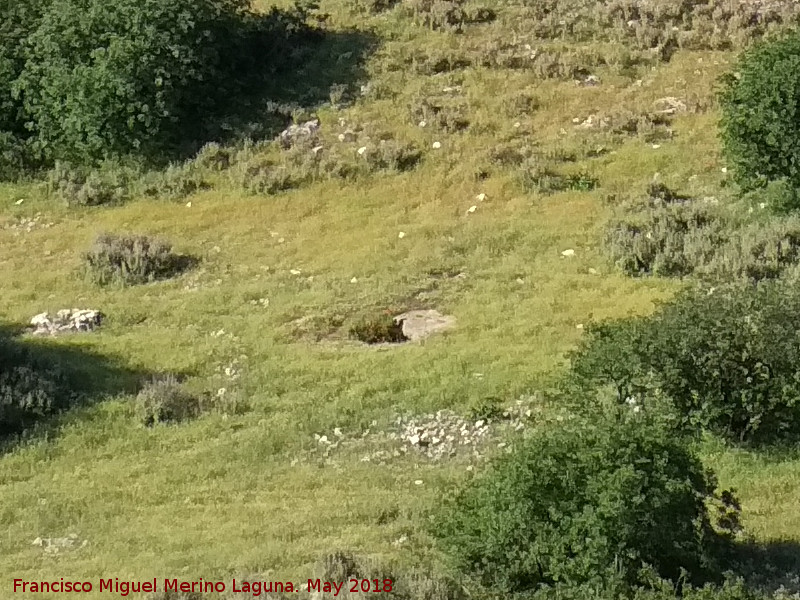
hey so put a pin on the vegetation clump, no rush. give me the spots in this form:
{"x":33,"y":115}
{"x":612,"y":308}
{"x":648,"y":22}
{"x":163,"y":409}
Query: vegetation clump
{"x":584,"y":503}
{"x":726,"y":360}
{"x":378,"y":330}
{"x":132,"y":259}
{"x":759,"y":102}
{"x":164,"y":400}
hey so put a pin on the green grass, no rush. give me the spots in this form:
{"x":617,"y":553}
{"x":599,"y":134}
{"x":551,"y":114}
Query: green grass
{"x":219,"y":496}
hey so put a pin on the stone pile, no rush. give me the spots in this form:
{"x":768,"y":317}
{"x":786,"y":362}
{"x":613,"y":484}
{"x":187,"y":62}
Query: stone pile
{"x":66,"y":320}
{"x":28,"y":224}
{"x":303,"y":132}
{"x":436,"y":436}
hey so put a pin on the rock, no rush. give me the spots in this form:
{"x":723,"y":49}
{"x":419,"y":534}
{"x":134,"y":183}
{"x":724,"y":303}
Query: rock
{"x":472,"y":209}
{"x":670,"y":105}
{"x":589,"y":81}
{"x":295,"y":133}
{"x":66,"y":320}
{"x":419,"y":324}
{"x":568,"y":252}
{"x":437,"y":145}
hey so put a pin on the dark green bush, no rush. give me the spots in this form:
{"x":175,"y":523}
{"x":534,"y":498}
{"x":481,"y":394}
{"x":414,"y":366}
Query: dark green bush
{"x":91,"y":79}
{"x":377,"y":330}
{"x":760,"y":129}
{"x":583,"y":503}
{"x":132,"y":259}
{"x":726,"y":359}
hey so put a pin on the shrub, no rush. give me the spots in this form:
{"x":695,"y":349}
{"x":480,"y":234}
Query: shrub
{"x":671,"y":240}
{"x":83,"y":186}
{"x":29,"y":388}
{"x":392,"y":155}
{"x":726,"y":360}
{"x":164,"y":400}
{"x":442,"y":114}
{"x":582,"y":503}
{"x":175,"y":182}
{"x":760,"y":131}
{"x":439,"y":14}
{"x":378,"y":330}
{"x":537,"y":178}
{"x":213,"y":156}
{"x":132,"y":259}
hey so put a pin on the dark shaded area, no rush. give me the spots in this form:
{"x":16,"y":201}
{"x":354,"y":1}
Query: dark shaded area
{"x":41,"y":378}
{"x":770,"y":566}
{"x":317,"y":66}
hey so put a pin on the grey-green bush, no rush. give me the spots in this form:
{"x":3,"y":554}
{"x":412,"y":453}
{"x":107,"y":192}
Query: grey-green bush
{"x":164,"y":400}
{"x":132,"y":259}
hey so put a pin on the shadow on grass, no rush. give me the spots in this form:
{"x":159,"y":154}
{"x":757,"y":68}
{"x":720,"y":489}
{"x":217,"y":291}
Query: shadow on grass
{"x":41,"y":378}
{"x":768,"y":567}
{"x":316,"y":66}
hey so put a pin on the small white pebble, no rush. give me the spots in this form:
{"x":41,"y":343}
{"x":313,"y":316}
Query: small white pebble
{"x":189,"y":205}
{"x":401,"y":235}
{"x":762,"y":205}
{"x":437,"y":145}
{"x":472,"y":209}
{"x":295,"y":272}
{"x":354,"y":280}
{"x":724,"y":169}
{"x":517,"y":125}
{"x":480,"y":197}
{"x":418,"y":482}
{"x":281,"y":240}
{"x":656,"y":146}
{"x":362,"y":150}
{"x":568,"y":252}
{"x":20,"y":201}
{"x":470,"y":468}
{"x":423,"y":123}
{"x":579,"y":326}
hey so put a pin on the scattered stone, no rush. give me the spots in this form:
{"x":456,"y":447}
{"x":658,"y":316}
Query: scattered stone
{"x":589,"y":81}
{"x":59,"y":544}
{"x":419,"y":324}
{"x":480,"y":197}
{"x":472,"y":209}
{"x":401,"y":235}
{"x":568,"y":252}
{"x":354,"y":280}
{"x":437,"y":145}
{"x":670,"y":105}
{"x":295,"y":271}
{"x":295,"y":133}
{"x":20,"y":201}
{"x":66,"y":320}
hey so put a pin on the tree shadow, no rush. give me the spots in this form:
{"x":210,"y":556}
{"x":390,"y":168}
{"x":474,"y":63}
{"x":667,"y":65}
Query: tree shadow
{"x":770,"y":566}
{"x":41,"y":379}
{"x":295,"y":70}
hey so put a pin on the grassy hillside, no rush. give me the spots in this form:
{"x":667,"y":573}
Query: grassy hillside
{"x":244,"y":491}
